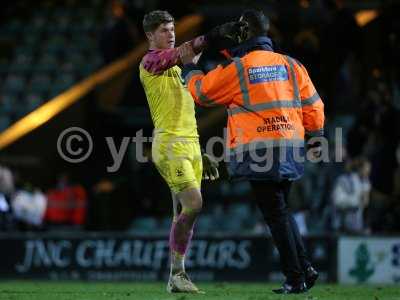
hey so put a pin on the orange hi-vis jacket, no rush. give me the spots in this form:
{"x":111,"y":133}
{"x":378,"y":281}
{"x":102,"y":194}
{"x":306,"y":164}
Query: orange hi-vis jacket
{"x":271,"y":103}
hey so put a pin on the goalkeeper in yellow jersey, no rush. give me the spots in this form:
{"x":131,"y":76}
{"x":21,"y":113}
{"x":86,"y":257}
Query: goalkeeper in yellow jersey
{"x":175,"y":149}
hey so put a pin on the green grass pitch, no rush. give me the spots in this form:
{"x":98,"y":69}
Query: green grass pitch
{"x":43,"y":290}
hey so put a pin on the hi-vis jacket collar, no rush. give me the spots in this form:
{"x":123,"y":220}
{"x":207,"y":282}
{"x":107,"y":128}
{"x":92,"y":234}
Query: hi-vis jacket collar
{"x":256,"y":43}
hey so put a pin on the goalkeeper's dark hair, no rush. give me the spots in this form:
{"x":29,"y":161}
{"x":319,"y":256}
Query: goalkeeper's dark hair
{"x":153,"y":19}
{"x":258,"y":23}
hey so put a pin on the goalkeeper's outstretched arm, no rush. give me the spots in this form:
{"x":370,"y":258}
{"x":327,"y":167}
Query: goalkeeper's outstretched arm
{"x":158,"y":60}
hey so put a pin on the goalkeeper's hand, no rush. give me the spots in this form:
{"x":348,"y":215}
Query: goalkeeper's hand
{"x":210,"y":167}
{"x":187,"y":55}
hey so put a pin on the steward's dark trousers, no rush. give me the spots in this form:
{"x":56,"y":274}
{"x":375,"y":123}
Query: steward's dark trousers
{"x":272,"y":200}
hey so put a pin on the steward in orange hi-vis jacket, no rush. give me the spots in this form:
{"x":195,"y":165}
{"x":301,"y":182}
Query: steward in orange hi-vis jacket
{"x":271,"y":103}
{"x":272,"y":107}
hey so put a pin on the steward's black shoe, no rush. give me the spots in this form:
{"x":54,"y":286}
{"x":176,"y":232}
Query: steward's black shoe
{"x":291,"y":289}
{"x":311,"y":277}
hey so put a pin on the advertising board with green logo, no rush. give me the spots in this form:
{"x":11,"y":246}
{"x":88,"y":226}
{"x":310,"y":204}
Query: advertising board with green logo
{"x":369,"y":260}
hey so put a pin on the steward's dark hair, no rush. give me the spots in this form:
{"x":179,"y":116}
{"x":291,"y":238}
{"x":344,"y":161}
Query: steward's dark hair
{"x":258,"y":23}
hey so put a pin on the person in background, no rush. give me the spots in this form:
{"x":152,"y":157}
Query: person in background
{"x":350,"y":197}
{"x":7,"y":189}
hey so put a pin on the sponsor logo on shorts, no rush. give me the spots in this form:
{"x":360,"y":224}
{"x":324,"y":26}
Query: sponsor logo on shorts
{"x":179,"y":173}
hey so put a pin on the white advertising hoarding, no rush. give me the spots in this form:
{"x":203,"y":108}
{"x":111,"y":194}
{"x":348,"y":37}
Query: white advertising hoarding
{"x":369,"y":260}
